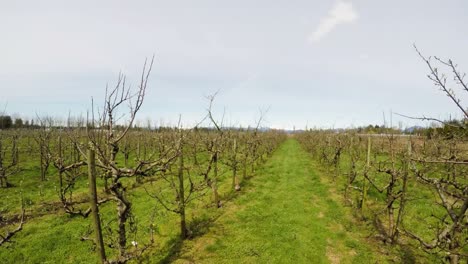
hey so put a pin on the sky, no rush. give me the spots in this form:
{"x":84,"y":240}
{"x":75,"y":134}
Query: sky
{"x":324,"y":64}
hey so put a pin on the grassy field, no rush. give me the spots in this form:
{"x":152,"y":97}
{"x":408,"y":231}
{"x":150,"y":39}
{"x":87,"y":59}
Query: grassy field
{"x":286,"y":215}
{"x":287,"y":212}
{"x":50,"y":235}
{"x":373,"y":191}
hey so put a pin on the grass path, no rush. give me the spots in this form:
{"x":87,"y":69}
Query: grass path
{"x":284,"y":215}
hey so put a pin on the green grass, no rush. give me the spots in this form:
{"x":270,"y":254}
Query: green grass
{"x":51,"y":236}
{"x":421,"y":214}
{"x":285,"y":214}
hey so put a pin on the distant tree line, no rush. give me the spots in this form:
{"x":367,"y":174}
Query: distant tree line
{"x":7,"y":122}
{"x":450,"y":129}
{"x":376,"y":129}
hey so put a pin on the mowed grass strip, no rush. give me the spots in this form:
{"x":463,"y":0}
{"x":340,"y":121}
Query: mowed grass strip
{"x":285,"y":215}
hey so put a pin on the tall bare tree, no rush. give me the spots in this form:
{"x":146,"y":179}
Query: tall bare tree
{"x":452,"y":191}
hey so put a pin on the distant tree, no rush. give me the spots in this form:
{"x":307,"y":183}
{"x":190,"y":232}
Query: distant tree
{"x":18,"y":123}
{"x":453,"y":128}
{"x":5,"y":122}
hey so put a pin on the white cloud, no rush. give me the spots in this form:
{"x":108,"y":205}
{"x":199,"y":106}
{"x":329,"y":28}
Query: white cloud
{"x":341,"y":13}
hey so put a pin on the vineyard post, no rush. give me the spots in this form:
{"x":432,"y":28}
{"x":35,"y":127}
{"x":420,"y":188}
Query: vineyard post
{"x":214,"y":183}
{"x":245,"y":159}
{"x":181,"y":198}
{"x":3,"y":177}
{"x":94,"y":204}
{"x":60,"y":171}
{"x":235,"y":178}
{"x":364,"y":185}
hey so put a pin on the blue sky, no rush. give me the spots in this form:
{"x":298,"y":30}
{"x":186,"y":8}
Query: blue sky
{"x":315,"y":63}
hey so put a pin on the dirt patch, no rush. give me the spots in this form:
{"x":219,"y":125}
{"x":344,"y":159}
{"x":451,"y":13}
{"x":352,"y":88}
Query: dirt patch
{"x":332,"y":256}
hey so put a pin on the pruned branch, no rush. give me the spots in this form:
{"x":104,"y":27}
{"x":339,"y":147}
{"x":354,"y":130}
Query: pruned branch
{"x":9,"y":234}
{"x":440,"y":80}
